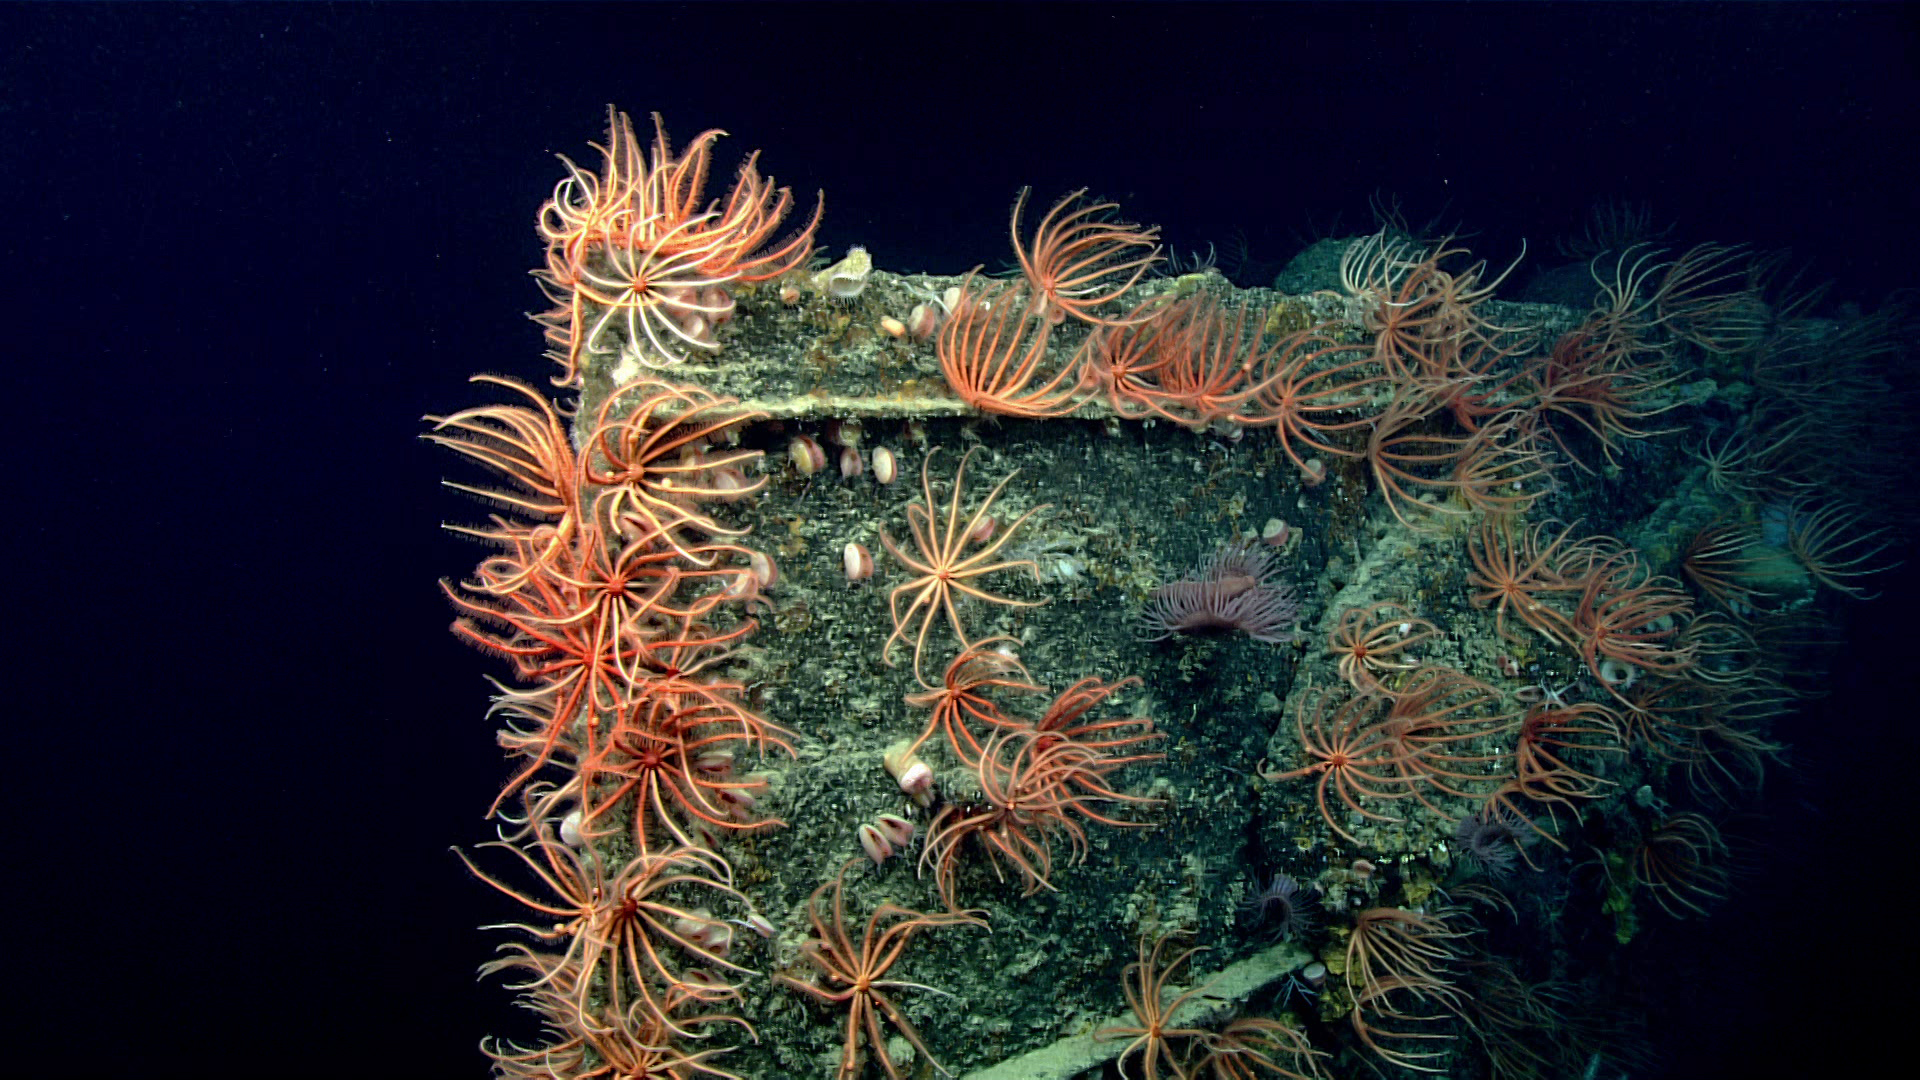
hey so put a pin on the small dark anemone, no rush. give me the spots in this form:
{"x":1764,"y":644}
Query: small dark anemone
{"x":1282,"y":906}
{"x":1489,"y":840}
{"x":1236,"y":589}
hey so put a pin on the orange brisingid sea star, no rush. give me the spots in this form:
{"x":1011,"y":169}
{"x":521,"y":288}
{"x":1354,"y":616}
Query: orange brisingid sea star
{"x":945,"y":564}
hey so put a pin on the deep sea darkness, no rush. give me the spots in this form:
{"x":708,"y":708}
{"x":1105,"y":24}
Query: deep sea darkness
{"x":252,"y":245}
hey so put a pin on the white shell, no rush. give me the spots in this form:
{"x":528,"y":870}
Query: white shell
{"x":846,"y":279}
{"x":570,"y":829}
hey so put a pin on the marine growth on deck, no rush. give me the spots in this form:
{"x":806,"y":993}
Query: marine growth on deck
{"x":1104,"y":666}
